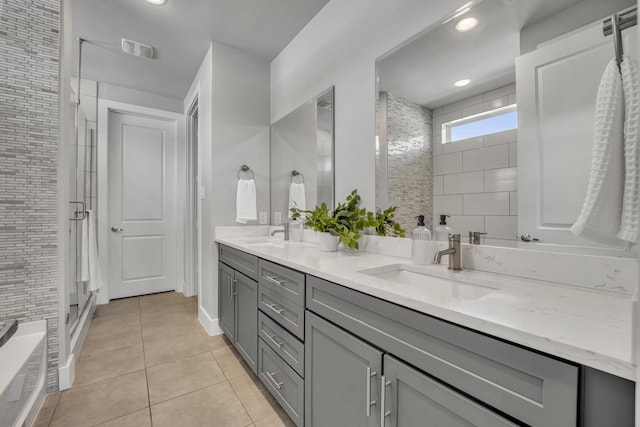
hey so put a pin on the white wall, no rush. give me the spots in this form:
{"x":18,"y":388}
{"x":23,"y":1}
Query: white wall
{"x":339,"y":47}
{"x":233,"y":90}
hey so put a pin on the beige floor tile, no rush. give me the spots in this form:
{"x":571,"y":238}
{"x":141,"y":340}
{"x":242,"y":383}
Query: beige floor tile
{"x":111,"y":340}
{"x":108,"y":364}
{"x":101,"y":325}
{"x":158,"y":301}
{"x":182,"y":376}
{"x":165,"y":350}
{"x":229,"y":362}
{"x":215,"y":342}
{"x":162,"y":330}
{"x":162,"y":308}
{"x":140,"y":418}
{"x":192,"y":308}
{"x":214,"y":406}
{"x":277,"y":419}
{"x":47,"y":409}
{"x":118,"y":307}
{"x":99,"y":402}
{"x":256,"y":399}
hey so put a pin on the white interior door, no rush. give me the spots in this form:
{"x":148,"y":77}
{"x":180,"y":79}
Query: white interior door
{"x":142,"y":204}
{"x":556,"y":86}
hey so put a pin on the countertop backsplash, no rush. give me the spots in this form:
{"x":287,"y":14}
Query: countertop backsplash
{"x":604,"y":273}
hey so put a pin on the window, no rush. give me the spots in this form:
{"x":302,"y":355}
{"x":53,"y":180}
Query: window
{"x":493,"y":121}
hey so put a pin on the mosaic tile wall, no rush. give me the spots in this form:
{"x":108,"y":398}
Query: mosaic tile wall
{"x":409,"y":161}
{"x":29,"y":44}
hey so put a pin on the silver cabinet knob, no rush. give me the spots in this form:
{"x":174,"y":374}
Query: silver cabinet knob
{"x":117,"y":230}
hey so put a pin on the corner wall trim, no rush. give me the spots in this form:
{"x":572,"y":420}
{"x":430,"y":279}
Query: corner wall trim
{"x":212,"y":326}
{"x":66,"y":373}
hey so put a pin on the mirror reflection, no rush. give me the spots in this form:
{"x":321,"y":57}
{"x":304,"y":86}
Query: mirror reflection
{"x":496,"y":131}
{"x":302,"y":158}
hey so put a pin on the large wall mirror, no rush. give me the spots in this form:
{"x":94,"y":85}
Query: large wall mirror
{"x":488,"y":117}
{"x":302,"y":173}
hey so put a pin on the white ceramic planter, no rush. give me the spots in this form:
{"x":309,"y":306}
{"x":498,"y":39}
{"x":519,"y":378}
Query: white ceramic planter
{"x":328,"y":242}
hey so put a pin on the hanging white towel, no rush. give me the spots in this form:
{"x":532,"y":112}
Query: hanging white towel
{"x":90,"y":267}
{"x":599,"y":219}
{"x":630,"y":220}
{"x":246,"y":201}
{"x":297,"y":197}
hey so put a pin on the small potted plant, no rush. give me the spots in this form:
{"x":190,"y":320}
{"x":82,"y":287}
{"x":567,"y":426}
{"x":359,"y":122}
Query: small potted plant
{"x":347,"y":222}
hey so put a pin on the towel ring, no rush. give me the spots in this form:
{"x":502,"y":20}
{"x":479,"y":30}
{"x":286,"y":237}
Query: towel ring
{"x":245,"y":169}
{"x":296,"y":174}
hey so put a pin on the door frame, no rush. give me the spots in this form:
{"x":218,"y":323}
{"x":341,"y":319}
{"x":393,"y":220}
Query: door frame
{"x":193,"y":202}
{"x":105,"y":108}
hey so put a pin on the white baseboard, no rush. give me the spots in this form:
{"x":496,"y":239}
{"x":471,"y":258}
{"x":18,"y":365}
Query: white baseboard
{"x":66,"y":373}
{"x":212,"y":326}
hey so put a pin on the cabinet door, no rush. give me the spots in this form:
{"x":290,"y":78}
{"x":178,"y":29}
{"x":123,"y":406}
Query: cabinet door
{"x":342,"y":377}
{"x":411,"y":398}
{"x":226,"y":301}
{"x":245,"y":292}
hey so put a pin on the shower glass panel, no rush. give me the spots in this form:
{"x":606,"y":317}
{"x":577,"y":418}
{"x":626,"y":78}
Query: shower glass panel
{"x":82,"y":190}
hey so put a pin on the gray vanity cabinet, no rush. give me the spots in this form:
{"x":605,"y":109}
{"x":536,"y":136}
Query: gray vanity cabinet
{"x":343,"y":384}
{"x":342,"y":377}
{"x":238,"y":304}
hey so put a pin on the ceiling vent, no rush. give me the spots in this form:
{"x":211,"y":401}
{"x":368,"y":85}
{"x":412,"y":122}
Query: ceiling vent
{"x":137,"y":49}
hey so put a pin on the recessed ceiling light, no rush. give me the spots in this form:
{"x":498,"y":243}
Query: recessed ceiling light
{"x":466,"y":24}
{"x":462,"y":82}
{"x":157,"y":2}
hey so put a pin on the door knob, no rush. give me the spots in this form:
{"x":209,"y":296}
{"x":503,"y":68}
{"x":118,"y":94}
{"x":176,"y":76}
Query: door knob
{"x":117,"y":230}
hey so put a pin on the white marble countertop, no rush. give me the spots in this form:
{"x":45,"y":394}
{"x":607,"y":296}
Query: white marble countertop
{"x":588,"y":327}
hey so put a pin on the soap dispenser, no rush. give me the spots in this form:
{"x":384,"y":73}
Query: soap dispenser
{"x":420,"y":246}
{"x":442,"y":231}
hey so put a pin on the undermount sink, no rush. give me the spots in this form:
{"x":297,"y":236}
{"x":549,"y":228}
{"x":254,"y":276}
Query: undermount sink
{"x":265,"y":242}
{"x":430,"y":282}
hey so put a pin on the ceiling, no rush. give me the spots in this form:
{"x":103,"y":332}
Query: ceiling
{"x":424,"y":70}
{"x":180,"y":32}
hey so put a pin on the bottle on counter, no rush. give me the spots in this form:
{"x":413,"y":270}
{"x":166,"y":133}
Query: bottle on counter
{"x":420,"y":245}
{"x":442,"y":231}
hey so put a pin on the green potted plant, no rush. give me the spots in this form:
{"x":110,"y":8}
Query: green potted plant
{"x":347,"y":222}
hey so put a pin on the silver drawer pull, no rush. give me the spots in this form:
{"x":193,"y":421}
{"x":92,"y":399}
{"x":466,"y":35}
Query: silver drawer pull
{"x":277,"y":310}
{"x":234,"y":291}
{"x":383,"y":415}
{"x":274,"y":280}
{"x":273,"y":339}
{"x":370,"y":403}
{"x":273,"y":380}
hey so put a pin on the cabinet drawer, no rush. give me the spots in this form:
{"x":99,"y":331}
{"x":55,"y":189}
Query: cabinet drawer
{"x":282,"y":381}
{"x":287,"y":282}
{"x":282,"y":342}
{"x":282,"y":310}
{"x":533,"y":388}
{"x":241,"y":261}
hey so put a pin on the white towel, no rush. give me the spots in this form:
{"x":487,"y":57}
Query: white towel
{"x":90,"y":267}
{"x":246,"y":201}
{"x":630,"y":221}
{"x":599,"y":219}
{"x":296,"y":197}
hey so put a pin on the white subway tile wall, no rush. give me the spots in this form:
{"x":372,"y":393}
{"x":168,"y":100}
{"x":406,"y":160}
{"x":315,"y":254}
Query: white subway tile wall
{"x":475,"y":180}
{"x":29,"y":43}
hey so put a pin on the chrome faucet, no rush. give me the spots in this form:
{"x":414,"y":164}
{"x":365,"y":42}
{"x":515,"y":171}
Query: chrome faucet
{"x":284,"y":230}
{"x":453,"y":251}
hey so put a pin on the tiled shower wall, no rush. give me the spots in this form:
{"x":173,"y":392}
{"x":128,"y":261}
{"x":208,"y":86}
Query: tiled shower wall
{"x":408,"y":160}
{"x":29,"y":43}
{"x":475,"y":180}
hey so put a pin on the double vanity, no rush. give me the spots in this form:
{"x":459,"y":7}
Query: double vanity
{"x":369,"y":339}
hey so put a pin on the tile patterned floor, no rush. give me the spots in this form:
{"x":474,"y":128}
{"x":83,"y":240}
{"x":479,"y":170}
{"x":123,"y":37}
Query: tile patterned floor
{"x":146,"y":362}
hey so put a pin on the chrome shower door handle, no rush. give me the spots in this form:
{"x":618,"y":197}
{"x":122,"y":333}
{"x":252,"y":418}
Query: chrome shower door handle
{"x":117,"y":230}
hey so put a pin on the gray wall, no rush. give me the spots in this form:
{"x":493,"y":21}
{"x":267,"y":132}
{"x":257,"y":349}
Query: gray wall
{"x":29,"y":43}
